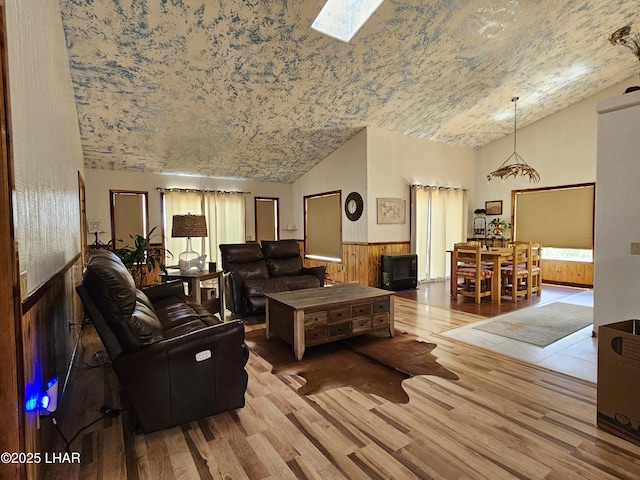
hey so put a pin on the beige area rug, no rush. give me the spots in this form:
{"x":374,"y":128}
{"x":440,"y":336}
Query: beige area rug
{"x":540,"y":326}
{"x":370,"y":363}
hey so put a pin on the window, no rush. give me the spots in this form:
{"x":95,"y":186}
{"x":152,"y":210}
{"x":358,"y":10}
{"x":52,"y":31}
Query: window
{"x":323,"y":226}
{"x":129,"y":216}
{"x":438,"y":222}
{"x":559,"y":218}
{"x":342,"y":19}
{"x":267,"y":218}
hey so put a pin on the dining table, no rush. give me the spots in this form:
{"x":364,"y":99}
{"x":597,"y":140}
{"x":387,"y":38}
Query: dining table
{"x":494,"y":256}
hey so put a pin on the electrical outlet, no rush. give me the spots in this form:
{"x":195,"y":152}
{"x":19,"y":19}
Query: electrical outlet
{"x":635,"y":248}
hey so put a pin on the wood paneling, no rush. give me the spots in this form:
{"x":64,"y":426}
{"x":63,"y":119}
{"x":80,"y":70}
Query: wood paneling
{"x":567,"y":273}
{"x":11,"y":399}
{"x":360,"y":262}
{"x":50,"y":326}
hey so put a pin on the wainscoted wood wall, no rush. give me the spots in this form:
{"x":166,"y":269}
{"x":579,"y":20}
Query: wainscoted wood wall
{"x":568,"y":273}
{"x":50,"y":329}
{"x":360,"y":262}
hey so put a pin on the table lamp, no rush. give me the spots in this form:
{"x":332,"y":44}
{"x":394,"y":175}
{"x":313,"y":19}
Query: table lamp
{"x":189,"y":226}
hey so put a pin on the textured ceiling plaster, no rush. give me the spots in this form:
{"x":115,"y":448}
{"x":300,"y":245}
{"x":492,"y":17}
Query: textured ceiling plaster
{"x":249,"y":90}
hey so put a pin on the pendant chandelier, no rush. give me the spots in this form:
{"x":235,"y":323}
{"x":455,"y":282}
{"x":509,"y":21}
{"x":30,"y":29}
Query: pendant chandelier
{"x":519,"y":167}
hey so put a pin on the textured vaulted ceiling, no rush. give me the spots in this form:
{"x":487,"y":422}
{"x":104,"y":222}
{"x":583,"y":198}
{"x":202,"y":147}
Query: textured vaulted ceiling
{"x":246,"y":89}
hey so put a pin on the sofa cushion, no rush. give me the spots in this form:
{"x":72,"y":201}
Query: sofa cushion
{"x":187,"y":326}
{"x":241,"y":253}
{"x":285,"y":266}
{"x":244,"y":259}
{"x":283,"y":257}
{"x":280,"y":248}
{"x":171,"y":313}
{"x":127,"y":310}
{"x":297,"y":282}
{"x":260,"y":287}
{"x":145,"y":326}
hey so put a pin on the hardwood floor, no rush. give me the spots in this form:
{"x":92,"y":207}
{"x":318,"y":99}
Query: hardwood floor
{"x":503,"y":419}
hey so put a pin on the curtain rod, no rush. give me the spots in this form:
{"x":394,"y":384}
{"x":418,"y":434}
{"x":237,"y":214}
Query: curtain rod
{"x":438,"y":187}
{"x":196,"y":190}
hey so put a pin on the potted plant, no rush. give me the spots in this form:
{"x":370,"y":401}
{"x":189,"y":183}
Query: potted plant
{"x":499,"y":226}
{"x":142,"y":258}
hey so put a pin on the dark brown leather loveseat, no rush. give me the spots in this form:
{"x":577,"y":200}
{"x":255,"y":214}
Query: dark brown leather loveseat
{"x":253,"y":270}
{"x":175,"y":360}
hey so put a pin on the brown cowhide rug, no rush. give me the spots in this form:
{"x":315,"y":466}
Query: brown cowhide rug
{"x":370,"y":363}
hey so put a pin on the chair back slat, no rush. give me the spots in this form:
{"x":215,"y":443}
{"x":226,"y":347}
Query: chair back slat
{"x":467,"y":266}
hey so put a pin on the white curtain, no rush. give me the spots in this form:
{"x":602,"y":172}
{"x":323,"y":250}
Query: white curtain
{"x":225,"y":214}
{"x":180,"y":203}
{"x":439,"y":220}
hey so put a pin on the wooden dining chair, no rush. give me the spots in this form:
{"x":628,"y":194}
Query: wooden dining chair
{"x":516,"y":275}
{"x":536,"y":269}
{"x":470,"y":277}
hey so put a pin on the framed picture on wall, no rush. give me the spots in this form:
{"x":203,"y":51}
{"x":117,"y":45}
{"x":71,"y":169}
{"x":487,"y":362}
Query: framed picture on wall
{"x":391,"y":210}
{"x":493,"y":207}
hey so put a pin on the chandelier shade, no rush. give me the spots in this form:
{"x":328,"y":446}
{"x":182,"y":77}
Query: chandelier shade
{"x":519,"y":167}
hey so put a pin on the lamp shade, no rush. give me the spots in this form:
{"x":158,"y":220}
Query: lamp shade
{"x":189,"y":226}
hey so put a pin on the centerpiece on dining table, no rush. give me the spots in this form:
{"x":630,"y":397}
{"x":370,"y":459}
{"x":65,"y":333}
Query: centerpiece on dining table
{"x":499,"y":226}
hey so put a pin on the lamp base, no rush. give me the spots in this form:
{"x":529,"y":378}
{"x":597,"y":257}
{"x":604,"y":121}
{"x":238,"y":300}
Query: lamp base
{"x":189,"y":261}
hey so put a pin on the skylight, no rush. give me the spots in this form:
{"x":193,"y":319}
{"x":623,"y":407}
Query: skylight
{"x":342,"y":19}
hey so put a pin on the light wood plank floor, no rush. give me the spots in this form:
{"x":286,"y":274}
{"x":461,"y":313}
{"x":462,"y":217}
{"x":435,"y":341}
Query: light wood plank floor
{"x":503,"y":419}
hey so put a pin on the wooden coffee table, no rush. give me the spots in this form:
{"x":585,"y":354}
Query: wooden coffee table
{"x":312,"y":316}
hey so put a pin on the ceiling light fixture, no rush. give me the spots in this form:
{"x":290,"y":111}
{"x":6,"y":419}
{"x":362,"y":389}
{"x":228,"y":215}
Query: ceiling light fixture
{"x":624,"y":37}
{"x":519,"y":167}
{"x":341,"y":19}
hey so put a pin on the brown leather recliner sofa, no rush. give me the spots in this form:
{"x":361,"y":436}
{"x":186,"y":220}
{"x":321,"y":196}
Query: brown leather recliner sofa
{"x":175,"y":360}
{"x":253,"y":270}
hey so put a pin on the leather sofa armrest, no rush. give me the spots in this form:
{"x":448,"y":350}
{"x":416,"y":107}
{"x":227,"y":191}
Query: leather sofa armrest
{"x":318,"y":271}
{"x":234,"y":294}
{"x":185,"y":377}
{"x":157,"y":292}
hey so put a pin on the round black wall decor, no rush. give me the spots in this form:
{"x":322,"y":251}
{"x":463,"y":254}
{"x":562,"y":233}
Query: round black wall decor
{"x":353,"y":206}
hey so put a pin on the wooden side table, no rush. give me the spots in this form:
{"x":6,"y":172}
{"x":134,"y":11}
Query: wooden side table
{"x":194,"y":281}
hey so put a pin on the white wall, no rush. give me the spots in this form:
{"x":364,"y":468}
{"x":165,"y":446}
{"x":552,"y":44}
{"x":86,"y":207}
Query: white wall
{"x":397,"y":161}
{"x":46,"y":140}
{"x":377,"y":163}
{"x":617,"y":272}
{"x":561,"y":147}
{"x":100,"y":182}
{"x":346,"y":170}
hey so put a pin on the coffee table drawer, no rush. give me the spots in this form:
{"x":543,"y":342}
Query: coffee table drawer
{"x":361,"y":310}
{"x":361,"y":324}
{"x":315,"y":318}
{"x":383,"y":306}
{"x":338,"y":314}
{"x":339,"y":329}
{"x":316,"y":335}
{"x":380,"y":320}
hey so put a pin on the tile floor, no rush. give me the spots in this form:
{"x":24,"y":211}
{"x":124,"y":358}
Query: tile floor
{"x":575,"y":355}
